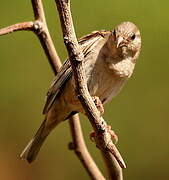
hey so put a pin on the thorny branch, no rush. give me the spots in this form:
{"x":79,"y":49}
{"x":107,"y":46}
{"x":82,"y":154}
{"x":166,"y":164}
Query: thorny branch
{"x":39,"y":27}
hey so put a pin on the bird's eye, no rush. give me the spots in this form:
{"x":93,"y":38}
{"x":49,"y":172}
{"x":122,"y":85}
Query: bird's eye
{"x":133,"y":37}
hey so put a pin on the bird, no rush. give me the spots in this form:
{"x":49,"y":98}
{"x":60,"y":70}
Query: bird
{"x":109,"y":61}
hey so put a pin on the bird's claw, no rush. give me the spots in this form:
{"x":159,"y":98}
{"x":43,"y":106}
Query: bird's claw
{"x":112,"y":133}
{"x":98,"y":104}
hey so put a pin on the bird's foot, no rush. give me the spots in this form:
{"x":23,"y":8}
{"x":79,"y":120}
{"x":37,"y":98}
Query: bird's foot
{"x":98,"y":104}
{"x":112,"y":133}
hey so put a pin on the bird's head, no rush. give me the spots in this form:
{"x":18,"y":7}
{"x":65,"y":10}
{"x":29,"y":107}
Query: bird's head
{"x":127,"y":39}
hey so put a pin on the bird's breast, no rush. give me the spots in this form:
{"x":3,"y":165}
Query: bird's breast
{"x":104,"y":83}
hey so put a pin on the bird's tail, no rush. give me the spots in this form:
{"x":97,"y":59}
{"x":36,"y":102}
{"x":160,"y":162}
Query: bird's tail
{"x":31,"y":150}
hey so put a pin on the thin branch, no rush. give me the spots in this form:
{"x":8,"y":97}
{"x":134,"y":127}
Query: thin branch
{"x":28,"y":26}
{"x":113,"y":168}
{"x":39,"y":27}
{"x":80,"y":145}
{"x":103,"y":138}
{"x":44,"y":36}
{"x":38,"y":10}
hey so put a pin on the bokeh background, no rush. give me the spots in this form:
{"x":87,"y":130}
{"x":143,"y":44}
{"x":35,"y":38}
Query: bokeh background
{"x":139,"y":114}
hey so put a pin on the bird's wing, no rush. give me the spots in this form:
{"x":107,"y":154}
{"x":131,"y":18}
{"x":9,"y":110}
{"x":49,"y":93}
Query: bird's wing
{"x":87,"y":43}
{"x":63,"y":75}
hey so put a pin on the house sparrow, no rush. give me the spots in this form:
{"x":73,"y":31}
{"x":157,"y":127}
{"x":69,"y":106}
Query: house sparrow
{"x":109,"y":60}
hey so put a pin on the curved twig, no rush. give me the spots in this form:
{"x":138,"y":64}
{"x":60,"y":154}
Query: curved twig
{"x":28,"y":26}
{"x":81,"y":151}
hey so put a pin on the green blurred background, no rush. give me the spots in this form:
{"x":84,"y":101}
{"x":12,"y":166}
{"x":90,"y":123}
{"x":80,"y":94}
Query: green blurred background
{"x":139,"y":114}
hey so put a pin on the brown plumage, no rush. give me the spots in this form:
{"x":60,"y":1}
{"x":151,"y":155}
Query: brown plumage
{"x":110,"y":57}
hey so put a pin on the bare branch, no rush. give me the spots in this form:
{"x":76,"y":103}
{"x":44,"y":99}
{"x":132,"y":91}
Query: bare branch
{"x":28,"y":26}
{"x":39,"y":27}
{"x":38,"y":10}
{"x":103,"y":138}
{"x":81,"y":151}
{"x":44,"y":36}
{"x":113,"y":168}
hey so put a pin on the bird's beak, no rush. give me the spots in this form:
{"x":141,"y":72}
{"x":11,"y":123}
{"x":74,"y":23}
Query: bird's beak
{"x":119,"y":42}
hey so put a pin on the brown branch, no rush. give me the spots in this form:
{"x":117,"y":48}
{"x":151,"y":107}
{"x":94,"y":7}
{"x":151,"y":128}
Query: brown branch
{"x":39,"y":27}
{"x":28,"y":26}
{"x":113,"y":168}
{"x":44,"y":36}
{"x":103,"y":138}
{"x":81,"y":151}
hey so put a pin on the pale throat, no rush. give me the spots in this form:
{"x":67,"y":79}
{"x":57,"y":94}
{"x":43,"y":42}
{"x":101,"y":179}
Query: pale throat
{"x":122,"y":67}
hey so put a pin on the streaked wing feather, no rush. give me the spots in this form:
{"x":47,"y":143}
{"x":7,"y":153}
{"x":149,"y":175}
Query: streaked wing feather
{"x":87,"y":43}
{"x":58,"y":82}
